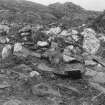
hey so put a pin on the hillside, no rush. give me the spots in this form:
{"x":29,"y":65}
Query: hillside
{"x":71,"y":13}
{"x":23,"y":11}
{"x":29,"y":12}
{"x":99,"y":23}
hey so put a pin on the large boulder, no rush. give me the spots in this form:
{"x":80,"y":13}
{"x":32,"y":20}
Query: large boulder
{"x":25,"y":34}
{"x":91,"y":44}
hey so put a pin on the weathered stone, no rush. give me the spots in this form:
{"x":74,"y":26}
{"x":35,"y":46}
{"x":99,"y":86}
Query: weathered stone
{"x":34,"y":73}
{"x":54,"y":45}
{"x":90,"y":62}
{"x":54,"y":30}
{"x":74,"y":32}
{"x":68,"y":58}
{"x":75,"y":37}
{"x":18,"y":47}
{"x":6,"y":52}
{"x":91,"y":44}
{"x":25,"y":34}
{"x":42,"y":43}
{"x":68,"y":49}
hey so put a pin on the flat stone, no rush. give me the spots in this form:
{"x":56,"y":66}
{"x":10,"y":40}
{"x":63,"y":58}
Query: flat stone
{"x":23,"y":67}
{"x":68,"y":58}
{"x":90,"y":62}
{"x":44,"y":67}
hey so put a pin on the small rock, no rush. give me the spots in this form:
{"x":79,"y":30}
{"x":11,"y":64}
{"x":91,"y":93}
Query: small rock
{"x":75,"y":37}
{"x":100,"y":67}
{"x":74,"y":67}
{"x":34,"y":73}
{"x":68,"y":58}
{"x":70,"y":54}
{"x":42,"y":43}
{"x":54,"y":30}
{"x":54,"y":45}
{"x":90,"y":62}
{"x":68,"y":50}
{"x":24,"y":38}
{"x":65,"y":33}
{"x":25,"y":29}
{"x":25,"y":34}
{"x":44,"y":67}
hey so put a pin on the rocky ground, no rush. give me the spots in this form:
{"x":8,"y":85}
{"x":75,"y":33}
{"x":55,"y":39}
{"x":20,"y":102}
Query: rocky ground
{"x":58,"y":69}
